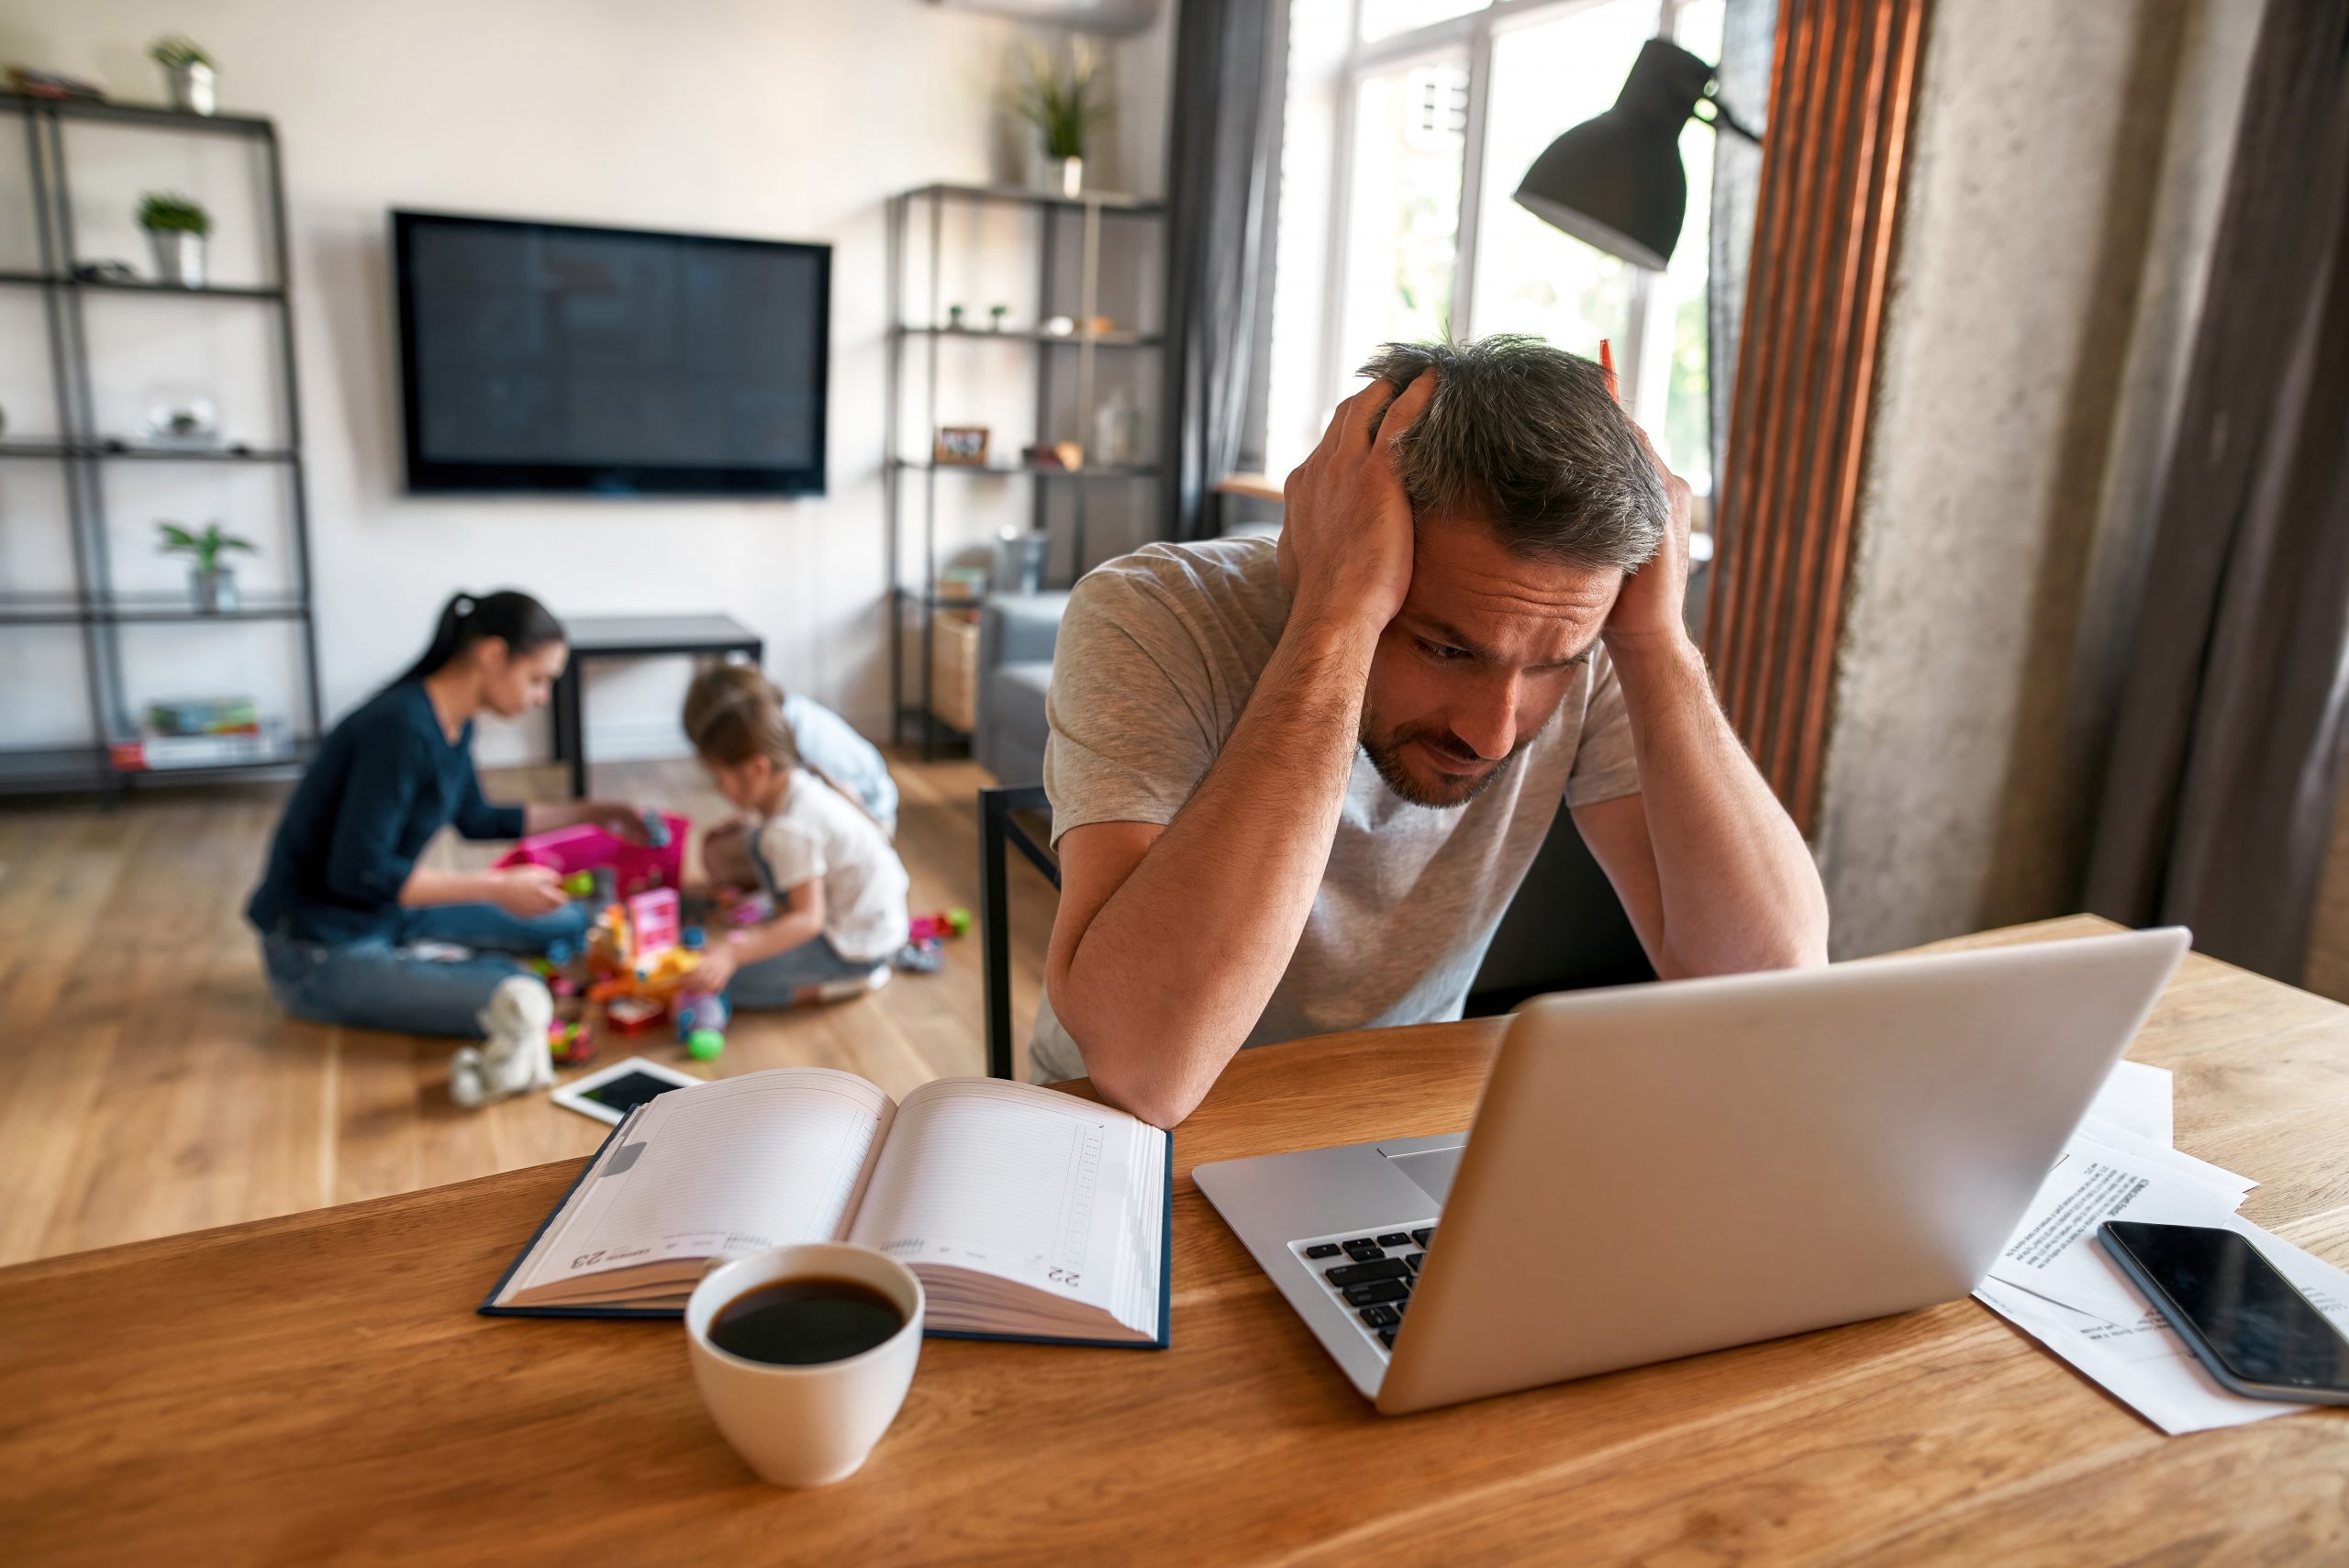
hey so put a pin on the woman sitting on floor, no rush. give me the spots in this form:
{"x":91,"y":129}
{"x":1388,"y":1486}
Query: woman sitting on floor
{"x":343,"y":910}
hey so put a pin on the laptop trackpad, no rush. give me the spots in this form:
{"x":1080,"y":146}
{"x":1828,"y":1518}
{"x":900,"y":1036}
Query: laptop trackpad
{"x":1432,"y":1169}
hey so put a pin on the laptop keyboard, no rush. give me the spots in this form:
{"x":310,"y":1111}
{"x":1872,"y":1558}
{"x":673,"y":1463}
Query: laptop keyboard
{"x":1371,"y":1273}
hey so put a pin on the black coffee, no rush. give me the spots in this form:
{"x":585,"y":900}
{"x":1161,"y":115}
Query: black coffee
{"x":799,"y":1321}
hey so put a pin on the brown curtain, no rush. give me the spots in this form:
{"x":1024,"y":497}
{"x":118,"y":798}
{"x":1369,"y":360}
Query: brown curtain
{"x":2221,"y":782}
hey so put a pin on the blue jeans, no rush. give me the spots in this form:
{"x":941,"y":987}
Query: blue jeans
{"x":776,"y":982}
{"x":378,"y":982}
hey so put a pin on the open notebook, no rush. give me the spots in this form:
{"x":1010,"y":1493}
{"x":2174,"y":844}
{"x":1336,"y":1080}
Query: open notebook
{"x":1027,"y":1213}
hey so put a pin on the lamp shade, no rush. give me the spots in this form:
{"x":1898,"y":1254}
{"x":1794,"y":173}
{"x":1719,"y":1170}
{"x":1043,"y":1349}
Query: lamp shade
{"x":1616,"y":181}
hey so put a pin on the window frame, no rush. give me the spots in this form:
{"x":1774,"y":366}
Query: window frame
{"x":1645,"y":378}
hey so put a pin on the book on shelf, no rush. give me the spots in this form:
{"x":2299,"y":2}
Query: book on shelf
{"x":160,"y":753}
{"x":204,"y":716}
{"x":1027,"y":1213}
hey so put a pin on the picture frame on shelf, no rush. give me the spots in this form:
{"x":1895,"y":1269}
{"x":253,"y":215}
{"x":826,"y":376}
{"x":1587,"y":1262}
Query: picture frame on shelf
{"x":960,"y":446}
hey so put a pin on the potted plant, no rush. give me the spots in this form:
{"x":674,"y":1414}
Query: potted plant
{"x":213,"y":585}
{"x":175,"y":227}
{"x":187,"y":74}
{"x":1066,"y":103}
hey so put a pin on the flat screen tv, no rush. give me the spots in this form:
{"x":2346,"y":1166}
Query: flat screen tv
{"x":553,"y":356}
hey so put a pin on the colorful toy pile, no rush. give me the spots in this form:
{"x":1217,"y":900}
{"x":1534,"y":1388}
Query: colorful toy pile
{"x":639,"y":955}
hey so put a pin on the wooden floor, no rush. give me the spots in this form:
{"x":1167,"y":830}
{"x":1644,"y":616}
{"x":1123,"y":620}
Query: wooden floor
{"x":155,"y":1087}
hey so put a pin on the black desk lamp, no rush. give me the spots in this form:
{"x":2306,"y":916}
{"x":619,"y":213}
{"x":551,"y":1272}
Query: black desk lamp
{"x":1616,"y":181}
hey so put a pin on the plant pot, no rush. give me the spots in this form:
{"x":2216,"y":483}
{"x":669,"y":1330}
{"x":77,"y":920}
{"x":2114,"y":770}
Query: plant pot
{"x":195,"y":89}
{"x":1056,"y":176}
{"x":179,"y":257}
{"x":215,"y":592}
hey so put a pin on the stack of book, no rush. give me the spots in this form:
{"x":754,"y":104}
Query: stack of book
{"x":200,"y":733}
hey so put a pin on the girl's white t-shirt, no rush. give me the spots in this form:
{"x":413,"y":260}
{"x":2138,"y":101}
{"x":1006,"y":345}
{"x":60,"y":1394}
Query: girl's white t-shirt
{"x":817,"y":832}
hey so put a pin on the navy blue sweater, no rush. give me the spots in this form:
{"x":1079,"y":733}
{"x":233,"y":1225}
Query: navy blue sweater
{"x":383,"y":782}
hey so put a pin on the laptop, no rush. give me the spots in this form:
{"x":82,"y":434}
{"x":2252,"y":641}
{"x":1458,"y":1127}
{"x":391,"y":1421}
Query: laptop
{"x":1656,"y":1171}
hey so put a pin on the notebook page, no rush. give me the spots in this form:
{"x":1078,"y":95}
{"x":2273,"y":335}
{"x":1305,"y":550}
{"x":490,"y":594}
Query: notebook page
{"x":1024,"y":1183}
{"x":724,"y":1170}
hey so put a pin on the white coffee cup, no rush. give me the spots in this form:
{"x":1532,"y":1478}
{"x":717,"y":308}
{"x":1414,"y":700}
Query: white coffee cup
{"x":814,"y":1424}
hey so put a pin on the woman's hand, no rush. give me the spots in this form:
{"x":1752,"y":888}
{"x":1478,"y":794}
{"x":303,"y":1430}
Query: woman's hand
{"x":528,"y":892}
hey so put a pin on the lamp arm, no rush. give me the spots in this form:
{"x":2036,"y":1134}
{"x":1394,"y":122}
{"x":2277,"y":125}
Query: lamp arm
{"x":1721,"y":119}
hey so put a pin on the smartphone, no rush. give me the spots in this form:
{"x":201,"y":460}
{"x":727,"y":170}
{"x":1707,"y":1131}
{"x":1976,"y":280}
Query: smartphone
{"x":2248,"y":1324}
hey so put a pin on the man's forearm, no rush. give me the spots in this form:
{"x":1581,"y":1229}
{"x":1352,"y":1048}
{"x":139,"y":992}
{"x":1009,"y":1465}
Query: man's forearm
{"x":1739,"y":887}
{"x":1176,"y":968}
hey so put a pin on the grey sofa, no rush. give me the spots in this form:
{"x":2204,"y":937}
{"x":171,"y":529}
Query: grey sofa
{"x":1566,"y":929}
{"x":1015,"y":636}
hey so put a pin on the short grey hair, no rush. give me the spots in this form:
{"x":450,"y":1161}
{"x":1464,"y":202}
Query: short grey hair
{"x":1528,"y":438}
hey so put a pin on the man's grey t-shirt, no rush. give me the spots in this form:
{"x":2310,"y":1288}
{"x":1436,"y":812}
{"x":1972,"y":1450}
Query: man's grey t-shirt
{"x":1155,"y":661}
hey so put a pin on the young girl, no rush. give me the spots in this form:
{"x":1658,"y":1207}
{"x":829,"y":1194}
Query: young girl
{"x":342,"y":906}
{"x":839,"y":889}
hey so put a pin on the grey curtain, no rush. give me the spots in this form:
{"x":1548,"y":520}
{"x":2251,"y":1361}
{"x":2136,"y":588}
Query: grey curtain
{"x":1749,"y":28}
{"x":2223,"y":778}
{"x":1218,"y":178}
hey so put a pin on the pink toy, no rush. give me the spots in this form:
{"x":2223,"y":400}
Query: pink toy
{"x":636,"y":868}
{"x":653,"y":917}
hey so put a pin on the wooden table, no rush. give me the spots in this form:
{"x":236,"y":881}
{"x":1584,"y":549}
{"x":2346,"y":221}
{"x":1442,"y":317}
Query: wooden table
{"x":317,"y":1389}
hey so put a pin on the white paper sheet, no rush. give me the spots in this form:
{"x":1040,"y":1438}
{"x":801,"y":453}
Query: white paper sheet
{"x":2201,"y":1173}
{"x":2136,"y":1099}
{"x":2055,"y":1280}
{"x":2142,"y":1364}
{"x":2053,"y":1251}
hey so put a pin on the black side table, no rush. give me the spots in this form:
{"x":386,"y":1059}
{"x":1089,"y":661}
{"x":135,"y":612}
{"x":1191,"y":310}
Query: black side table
{"x":634,"y":636}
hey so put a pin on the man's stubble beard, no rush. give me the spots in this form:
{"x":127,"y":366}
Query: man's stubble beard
{"x":1386,"y":756}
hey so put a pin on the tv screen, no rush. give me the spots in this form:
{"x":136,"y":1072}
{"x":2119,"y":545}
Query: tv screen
{"x":548,"y":356}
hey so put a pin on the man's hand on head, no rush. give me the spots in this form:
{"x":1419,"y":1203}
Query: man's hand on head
{"x":1346,"y":542}
{"x":1650,"y":611}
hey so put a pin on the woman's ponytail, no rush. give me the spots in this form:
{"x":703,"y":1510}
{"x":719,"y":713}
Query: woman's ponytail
{"x":519,"y":620}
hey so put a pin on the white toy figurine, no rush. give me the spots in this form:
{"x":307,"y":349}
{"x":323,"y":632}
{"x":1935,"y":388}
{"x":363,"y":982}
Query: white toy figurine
{"x":514,"y":1057}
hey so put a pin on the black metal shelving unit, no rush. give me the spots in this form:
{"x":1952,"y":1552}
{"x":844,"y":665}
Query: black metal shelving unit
{"x":83,"y":451}
{"x":911,"y":700}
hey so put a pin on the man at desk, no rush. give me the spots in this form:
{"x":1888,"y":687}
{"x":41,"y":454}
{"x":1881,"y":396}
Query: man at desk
{"x":1295,"y":786}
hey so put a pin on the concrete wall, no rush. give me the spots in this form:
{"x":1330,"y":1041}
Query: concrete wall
{"x":2068,"y":164}
{"x":785,"y":119}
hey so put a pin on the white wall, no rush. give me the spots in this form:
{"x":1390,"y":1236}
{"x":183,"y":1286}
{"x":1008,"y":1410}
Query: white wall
{"x":773,"y":118}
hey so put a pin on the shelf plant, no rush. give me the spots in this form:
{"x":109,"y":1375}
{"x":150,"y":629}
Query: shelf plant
{"x":213,"y":584}
{"x":175,"y":228}
{"x":177,"y":53}
{"x":1066,"y":102}
{"x":188,"y":75}
{"x":161,"y":212}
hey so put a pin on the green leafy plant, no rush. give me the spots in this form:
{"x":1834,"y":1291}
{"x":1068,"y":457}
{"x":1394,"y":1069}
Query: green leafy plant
{"x":161,"y":210}
{"x":205,"y":546}
{"x":175,"y":53}
{"x":1066,"y":102}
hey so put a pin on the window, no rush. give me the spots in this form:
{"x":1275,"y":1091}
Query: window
{"x":1408,"y":125}
{"x":1403,"y":222}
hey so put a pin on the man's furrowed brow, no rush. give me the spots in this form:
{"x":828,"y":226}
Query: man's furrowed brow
{"x":1445,"y":632}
